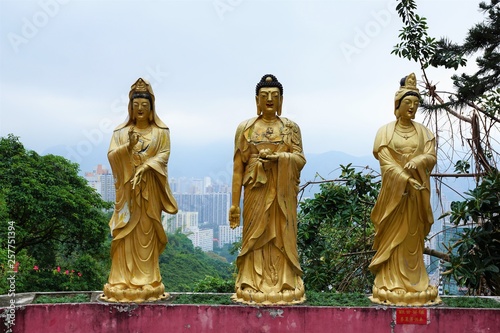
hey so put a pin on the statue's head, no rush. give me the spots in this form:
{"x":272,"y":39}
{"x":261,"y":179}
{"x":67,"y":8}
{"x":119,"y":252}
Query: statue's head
{"x":269,"y":95}
{"x":407,"y":91}
{"x":141,"y":91}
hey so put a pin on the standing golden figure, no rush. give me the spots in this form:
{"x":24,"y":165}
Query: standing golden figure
{"x":268,"y":158}
{"x":138,"y":155}
{"x":402,"y":215}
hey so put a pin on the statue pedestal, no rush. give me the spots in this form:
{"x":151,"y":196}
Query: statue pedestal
{"x":163,"y":317}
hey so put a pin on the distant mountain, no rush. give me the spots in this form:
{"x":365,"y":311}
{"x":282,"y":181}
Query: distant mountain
{"x":216,"y":161}
{"x":327,"y":165}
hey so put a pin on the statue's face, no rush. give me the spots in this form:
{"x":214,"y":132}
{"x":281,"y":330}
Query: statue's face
{"x":269,"y":100}
{"x":141,"y":109}
{"x":408,"y":107}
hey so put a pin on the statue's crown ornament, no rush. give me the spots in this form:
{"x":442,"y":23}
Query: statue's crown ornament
{"x":409,"y":82}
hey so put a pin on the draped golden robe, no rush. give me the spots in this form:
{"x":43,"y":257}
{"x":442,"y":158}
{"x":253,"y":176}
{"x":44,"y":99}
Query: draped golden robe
{"x":268,"y":263}
{"x":138,"y":234}
{"x":402,"y":217}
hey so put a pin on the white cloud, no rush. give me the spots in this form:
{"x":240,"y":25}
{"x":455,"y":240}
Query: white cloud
{"x":74,"y":73}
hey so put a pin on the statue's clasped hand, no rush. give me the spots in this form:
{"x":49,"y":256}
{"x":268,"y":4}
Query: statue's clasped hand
{"x":416,"y":185}
{"x":266,"y":155}
{"x":234,"y":217}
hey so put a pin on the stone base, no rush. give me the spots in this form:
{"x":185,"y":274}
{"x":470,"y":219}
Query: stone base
{"x":253,"y":297}
{"x":403,"y":298}
{"x":146,"y":293}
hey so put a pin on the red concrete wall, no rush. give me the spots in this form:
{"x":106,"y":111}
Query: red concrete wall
{"x":98,"y":317}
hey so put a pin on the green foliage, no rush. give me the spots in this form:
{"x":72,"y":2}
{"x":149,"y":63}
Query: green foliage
{"x":183,"y":267}
{"x":415,"y":43}
{"x":51,"y":299}
{"x":53,"y":216}
{"x":219,"y":299}
{"x":315,"y":298}
{"x":471,"y":302}
{"x":475,"y":254}
{"x":462,"y":166}
{"x":227,"y":251}
{"x":491,"y":102}
{"x":211,"y":284}
{"x":20,"y":270}
{"x":335,"y":233}
{"x":483,"y":40}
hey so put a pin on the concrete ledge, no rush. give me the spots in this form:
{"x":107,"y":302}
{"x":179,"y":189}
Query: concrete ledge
{"x":104,"y":317}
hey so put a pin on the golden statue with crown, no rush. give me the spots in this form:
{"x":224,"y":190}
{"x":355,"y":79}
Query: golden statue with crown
{"x":138,"y":155}
{"x":402,"y":215}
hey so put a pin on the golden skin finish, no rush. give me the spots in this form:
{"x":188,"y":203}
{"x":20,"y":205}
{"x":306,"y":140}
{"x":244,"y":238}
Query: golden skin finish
{"x":138,"y":155}
{"x":402,"y":215}
{"x":268,"y":158}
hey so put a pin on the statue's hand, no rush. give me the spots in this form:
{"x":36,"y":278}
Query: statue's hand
{"x":234,"y":217}
{"x":411,"y":165}
{"x":138,"y":175}
{"x":264,"y":153}
{"x":133,"y":138}
{"x":272,"y":157}
{"x":415,"y":184}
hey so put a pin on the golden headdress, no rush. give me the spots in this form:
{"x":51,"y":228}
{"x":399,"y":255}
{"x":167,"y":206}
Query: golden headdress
{"x":408,"y":87}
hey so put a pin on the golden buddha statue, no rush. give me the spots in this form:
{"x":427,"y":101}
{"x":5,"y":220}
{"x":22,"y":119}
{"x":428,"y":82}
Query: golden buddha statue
{"x":402,"y":215}
{"x":138,"y":155}
{"x":268,"y":158}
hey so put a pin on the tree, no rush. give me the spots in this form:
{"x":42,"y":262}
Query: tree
{"x":57,"y":218}
{"x":335,"y":234}
{"x":472,"y":110}
{"x":186,"y":268}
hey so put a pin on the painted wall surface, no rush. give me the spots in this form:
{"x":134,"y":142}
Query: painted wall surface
{"x":99,"y":317}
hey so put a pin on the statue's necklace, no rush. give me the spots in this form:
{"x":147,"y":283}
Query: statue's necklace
{"x":405,"y":132}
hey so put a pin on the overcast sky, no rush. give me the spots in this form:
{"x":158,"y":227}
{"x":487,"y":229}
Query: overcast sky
{"x":67,"y":67}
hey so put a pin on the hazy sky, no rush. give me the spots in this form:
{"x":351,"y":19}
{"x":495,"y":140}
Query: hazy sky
{"x":67,"y":66}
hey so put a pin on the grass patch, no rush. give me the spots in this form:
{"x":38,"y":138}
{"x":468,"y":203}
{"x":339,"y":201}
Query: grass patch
{"x":470,"y":302}
{"x":71,"y":298}
{"x":313,"y":299}
{"x":336,"y":299}
{"x":216,"y":299}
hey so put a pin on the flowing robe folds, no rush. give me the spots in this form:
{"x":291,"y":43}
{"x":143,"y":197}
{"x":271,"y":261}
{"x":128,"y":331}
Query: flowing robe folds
{"x":138,"y":234}
{"x":402,"y":215}
{"x":268,"y":263}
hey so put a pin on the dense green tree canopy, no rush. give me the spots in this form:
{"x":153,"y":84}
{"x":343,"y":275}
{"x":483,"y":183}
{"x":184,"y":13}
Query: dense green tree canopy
{"x":51,"y":206}
{"x":182,"y":266}
{"x":335,"y":234}
{"x":57,"y":223}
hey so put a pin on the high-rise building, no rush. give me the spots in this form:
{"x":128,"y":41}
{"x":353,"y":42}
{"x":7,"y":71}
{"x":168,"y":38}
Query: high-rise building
{"x":228,"y":235}
{"x":204,"y":239}
{"x":103,"y":182}
{"x":187,"y":223}
{"x":182,"y":221}
{"x":212,"y":208}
